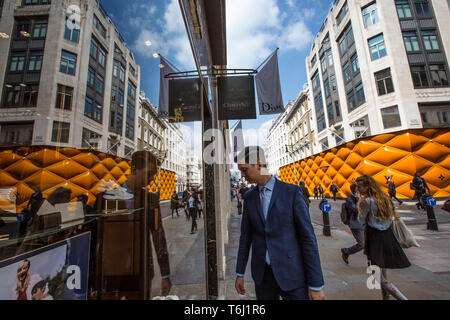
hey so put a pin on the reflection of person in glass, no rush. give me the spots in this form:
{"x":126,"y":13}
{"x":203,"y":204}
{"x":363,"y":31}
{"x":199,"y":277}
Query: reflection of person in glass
{"x":40,"y":291}
{"x":143,"y":168}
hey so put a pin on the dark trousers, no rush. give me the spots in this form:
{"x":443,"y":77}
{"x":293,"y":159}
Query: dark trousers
{"x":193,"y":214}
{"x":268,"y":289}
{"x":316,"y":196}
{"x":175,"y":209}
{"x":186,"y":211}
{"x":358,"y":234}
{"x":394,"y":195}
{"x":334,"y":196}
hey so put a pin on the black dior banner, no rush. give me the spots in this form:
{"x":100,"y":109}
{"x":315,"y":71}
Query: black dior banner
{"x":236,"y":97}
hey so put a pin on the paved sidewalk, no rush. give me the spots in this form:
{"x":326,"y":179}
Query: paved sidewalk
{"x":427,"y":278}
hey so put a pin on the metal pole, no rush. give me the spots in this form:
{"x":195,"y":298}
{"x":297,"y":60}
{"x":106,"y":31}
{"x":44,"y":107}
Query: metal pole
{"x":326,"y":220}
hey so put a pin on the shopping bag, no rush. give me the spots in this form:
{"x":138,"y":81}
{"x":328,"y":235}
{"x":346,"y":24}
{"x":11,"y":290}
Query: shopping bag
{"x":403,"y":235}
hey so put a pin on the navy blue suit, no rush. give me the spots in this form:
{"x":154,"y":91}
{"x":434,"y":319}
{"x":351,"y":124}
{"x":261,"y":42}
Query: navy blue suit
{"x":287,"y":234}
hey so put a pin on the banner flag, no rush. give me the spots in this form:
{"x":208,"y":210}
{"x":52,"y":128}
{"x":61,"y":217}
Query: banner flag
{"x":163,"y":108}
{"x":238,"y":139}
{"x":268,"y":88}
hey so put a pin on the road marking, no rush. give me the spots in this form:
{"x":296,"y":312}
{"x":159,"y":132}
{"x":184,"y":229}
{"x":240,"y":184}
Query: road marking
{"x":408,"y":218}
{"x":420,"y":238}
{"x":398,"y":210}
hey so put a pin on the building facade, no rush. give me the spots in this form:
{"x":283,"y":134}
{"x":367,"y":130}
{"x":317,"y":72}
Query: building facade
{"x":176,"y":155}
{"x":277,"y":143}
{"x":67,"y":77}
{"x":192,"y":169}
{"x":377,"y":67}
{"x":299,"y":126}
{"x":151,"y":129}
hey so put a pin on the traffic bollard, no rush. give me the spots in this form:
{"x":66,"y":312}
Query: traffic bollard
{"x":325,"y":207}
{"x":429,"y":203}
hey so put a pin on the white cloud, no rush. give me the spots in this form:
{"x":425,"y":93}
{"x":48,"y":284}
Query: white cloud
{"x":297,"y":36}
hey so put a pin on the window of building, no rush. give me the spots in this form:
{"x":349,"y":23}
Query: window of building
{"x":342,"y":45}
{"x":355,"y":63}
{"x":112,"y":119}
{"x":430,"y":40}
{"x":113,"y":93}
{"x":370,"y":15}
{"x":40,"y":29}
{"x":419,"y":76}
{"x":403,"y":9}
{"x":321,"y":122}
{"x":100,"y":28}
{"x":313,"y":61}
{"x":72,"y":34}
{"x":339,"y":137}
{"x":315,"y":81}
{"x":33,"y":2}
{"x":17,"y":61}
{"x":129,"y":131}
{"x":130,"y":110}
{"x":91,"y":77}
{"x":101,"y":57}
{"x":132,"y":70}
{"x":98,"y":112}
{"x":323,"y":63}
{"x":424,"y":116}
{"x":349,"y":36}
{"x":443,"y":117}
{"x":324,"y":143}
{"x":376,"y":47}
{"x":422,"y":8}
{"x":330,"y":58}
{"x":68,"y":63}
{"x":330,"y":112}
{"x":99,"y":84}
{"x":337,"y":108}
{"x":35,"y":63}
{"x":64,"y":97}
{"x":360,"y":93}
{"x":88,"y":107}
{"x":318,"y":101}
{"x":351,"y":100}
{"x":116,"y":68}
{"x":121,"y":97}
{"x":347,"y":72}
{"x":23,"y":28}
{"x":94,"y":48}
{"x":391,"y":117}
{"x":326,"y":86}
{"x":122,"y":73}
{"x":333,"y":82}
{"x":411,"y":42}
{"x":60,"y":132}
{"x":30,"y":95}
{"x":438,"y":75}
{"x":119,"y":122}
{"x":131,"y":90}
{"x":342,"y":13}
{"x":384,"y":82}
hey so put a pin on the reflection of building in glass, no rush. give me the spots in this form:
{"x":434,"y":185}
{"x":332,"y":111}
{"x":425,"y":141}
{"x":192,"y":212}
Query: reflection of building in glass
{"x":378,"y":68}
{"x":176,"y":155}
{"x":192,"y":169}
{"x":150,"y":134}
{"x":63,"y":83}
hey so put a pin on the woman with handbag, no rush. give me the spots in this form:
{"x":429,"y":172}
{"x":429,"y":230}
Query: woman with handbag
{"x":378,"y":211}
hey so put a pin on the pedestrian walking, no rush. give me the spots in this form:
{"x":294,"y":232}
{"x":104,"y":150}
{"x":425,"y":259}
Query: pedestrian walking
{"x":378,"y":211}
{"x":316,"y":193}
{"x":355,"y":225}
{"x":276,"y":226}
{"x":334,"y":189}
{"x":185,"y":203}
{"x":174,"y":203}
{"x":192,"y":211}
{"x":199,"y":201}
{"x":321,"y":192}
{"x":241,"y":193}
{"x":420,"y":187}
{"x":392,"y":191}
{"x":305,"y":193}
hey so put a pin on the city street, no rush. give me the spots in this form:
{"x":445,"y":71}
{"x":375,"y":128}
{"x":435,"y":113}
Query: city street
{"x":427,"y":278}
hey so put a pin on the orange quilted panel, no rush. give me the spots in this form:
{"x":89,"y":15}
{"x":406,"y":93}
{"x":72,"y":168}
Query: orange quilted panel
{"x":398,"y":155}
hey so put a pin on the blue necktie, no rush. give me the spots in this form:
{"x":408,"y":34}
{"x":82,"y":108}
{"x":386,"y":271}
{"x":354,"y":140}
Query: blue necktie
{"x":265,"y":208}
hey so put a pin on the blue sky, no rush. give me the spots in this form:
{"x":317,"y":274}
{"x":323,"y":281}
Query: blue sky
{"x":254,"y":29}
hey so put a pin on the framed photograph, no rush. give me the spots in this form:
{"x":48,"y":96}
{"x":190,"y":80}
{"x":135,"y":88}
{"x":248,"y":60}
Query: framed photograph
{"x":55,"y":272}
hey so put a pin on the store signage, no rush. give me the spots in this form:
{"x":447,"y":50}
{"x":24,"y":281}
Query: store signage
{"x":185,"y":100}
{"x":236,"y":98}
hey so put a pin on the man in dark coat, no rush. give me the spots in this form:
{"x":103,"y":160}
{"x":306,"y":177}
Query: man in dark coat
{"x":357,"y":228}
{"x":334,"y":189}
{"x":392,"y":192}
{"x":305,"y":193}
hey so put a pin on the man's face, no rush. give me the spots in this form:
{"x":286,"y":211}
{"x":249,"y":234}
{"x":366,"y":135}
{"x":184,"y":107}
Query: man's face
{"x":250,"y":172}
{"x":38,"y":295}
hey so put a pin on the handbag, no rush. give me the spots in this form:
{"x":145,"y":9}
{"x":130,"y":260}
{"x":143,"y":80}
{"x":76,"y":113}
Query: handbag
{"x":403,"y":235}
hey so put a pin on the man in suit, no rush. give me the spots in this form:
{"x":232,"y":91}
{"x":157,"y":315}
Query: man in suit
{"x":276,"y":225}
